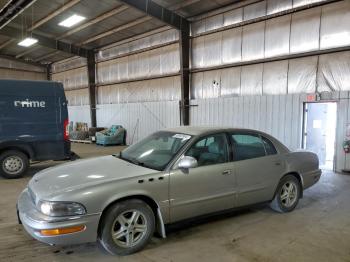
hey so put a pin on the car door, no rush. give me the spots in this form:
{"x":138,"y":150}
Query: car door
{"x":207,"y":188}
{"x":258,"y":167}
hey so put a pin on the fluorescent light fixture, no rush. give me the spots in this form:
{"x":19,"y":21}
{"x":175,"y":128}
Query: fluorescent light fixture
{"x":72,"y":20}
{"x":27,"y":42}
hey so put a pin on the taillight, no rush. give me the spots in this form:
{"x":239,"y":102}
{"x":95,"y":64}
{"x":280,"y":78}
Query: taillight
{"x":66,"y":130}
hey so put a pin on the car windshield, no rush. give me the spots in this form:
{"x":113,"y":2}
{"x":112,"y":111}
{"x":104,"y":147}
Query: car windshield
{"x":155,"y":151}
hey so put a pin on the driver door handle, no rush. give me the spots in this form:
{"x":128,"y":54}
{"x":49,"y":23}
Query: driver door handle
{"x":227,"y":172}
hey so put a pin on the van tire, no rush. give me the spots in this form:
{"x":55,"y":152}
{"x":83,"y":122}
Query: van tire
{"x":13,"y":164}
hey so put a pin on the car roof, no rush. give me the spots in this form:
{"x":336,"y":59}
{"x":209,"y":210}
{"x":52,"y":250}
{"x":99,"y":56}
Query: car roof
{"x":200,"y":130}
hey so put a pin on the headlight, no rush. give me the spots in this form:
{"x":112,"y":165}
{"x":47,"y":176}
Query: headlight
{"x":61,"y":209}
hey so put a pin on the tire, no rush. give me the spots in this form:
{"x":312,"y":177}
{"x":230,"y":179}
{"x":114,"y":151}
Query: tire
{"x":119,"y":218}
{"x":285,"y":201}
{"x":13,"y":164}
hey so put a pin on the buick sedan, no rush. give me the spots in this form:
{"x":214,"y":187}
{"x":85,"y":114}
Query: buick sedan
{"x":173,"y":175}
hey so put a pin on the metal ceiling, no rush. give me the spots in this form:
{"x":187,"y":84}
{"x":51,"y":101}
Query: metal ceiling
{"x":107,"y":21}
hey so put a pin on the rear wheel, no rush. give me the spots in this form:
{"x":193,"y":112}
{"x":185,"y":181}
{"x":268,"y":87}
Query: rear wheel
{"x":287,"y":194}
{"x":13,"y":164}
{"x":127,"y":227}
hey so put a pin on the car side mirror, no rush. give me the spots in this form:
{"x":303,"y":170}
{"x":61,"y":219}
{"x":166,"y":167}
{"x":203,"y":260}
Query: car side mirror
{"x":187,"y":162}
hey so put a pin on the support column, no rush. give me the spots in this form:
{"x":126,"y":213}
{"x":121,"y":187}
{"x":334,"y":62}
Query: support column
{"x":91,"y":67}
{"x":185,"y":76}
{"x":49,"y":72}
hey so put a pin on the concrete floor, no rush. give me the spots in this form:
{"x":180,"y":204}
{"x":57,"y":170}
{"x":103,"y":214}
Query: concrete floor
{"x":318,"y":230}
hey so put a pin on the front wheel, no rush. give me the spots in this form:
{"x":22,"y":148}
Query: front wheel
{"x":287,"y":194}
{"x":13,"y":164}
{"x":127,"y":227}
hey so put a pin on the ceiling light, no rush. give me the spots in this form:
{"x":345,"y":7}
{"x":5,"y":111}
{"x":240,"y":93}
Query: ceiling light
{"x":72,"y":20}
{"x":28,"y":42}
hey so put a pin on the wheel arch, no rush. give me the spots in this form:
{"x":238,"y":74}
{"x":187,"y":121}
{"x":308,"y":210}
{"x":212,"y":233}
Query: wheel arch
{"x":160,"y":227}
{"x":297,"y":176}
{"x":25,"y":149}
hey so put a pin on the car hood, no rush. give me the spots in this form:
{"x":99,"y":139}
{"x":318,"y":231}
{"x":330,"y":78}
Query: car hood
{"x":83,"y":173}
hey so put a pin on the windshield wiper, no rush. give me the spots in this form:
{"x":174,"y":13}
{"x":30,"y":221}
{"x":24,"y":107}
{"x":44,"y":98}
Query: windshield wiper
{"x":131,"y":160}
{"x":134,"y":161}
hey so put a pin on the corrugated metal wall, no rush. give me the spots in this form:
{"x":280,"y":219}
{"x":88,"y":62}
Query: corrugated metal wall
{"x":20,"y":71}
{"x":278,"y":115}
{"x":139,"y":119}
{"x":73,"y":74}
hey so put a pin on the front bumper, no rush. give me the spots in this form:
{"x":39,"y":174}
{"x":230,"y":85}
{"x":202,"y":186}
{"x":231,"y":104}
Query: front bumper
{"x":33,"y":221}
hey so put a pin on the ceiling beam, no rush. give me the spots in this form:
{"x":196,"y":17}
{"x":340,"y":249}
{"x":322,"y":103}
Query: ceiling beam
{"x":28,"y":51}
{"x":94,"y":21}
{"x":6,"y":43}
{"x":161,"y":13}
{"x":55,"y":13}
{"x":181,"y":5}
{"x":12,"y":10}
{"x":47,"y":42}
{"x":5,"y":5}
{"x":116,"y":29}
{"x":42,"y":58}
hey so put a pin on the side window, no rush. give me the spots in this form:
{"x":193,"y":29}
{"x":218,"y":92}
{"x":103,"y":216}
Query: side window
{"x":247,"y":146}
{"x":210,"y":150}
{"x":269,"y":147}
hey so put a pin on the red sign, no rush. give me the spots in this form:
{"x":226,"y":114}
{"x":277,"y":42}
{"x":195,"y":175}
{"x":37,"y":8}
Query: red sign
{"x":311,"y":98}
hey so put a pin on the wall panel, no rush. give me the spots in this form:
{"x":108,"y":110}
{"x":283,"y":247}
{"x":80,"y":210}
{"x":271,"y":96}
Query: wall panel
{"x":302,"y":75}
{"x":79,"y":114}
{"x":305,"y":31}
{"x":21,"y":75}
{"x":317,"y":28}
{"x":253,"y":41}
{"x":140,"y":119}
{"x":72,"y":79}
{"x":334,"y":72}
{"x":160,"y":61}
{"x":278,"y":28}
{"x":160,"y":89}
{"x":278,"y":115}
{"x":335,"y":25}
{"x":78,"y":97}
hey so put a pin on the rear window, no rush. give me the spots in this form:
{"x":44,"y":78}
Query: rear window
{"x":247,"y":146}
{"x":269,"y":147}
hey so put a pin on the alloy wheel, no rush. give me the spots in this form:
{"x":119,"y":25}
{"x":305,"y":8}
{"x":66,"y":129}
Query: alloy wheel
{"x":129,"y":228}
{"x":289,"y":194}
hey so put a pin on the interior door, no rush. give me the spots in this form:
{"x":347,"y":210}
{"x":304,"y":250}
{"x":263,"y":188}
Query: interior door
{"x":207,"y":188}
{"x":319,"y":131}
{"x":257,"y":168}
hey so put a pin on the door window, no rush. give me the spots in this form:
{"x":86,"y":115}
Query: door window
{"x":247,"y":146}
{"x":210,"y":150}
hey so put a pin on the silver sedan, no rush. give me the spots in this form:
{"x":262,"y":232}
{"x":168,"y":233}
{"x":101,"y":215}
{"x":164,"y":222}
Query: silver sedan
{"x":172,"y":175}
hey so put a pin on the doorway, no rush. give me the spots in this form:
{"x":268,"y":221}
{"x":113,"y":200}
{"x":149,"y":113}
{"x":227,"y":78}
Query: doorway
{"x":320,"y":122}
